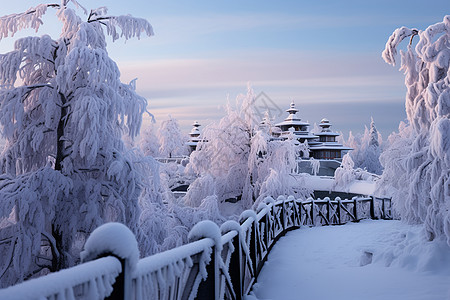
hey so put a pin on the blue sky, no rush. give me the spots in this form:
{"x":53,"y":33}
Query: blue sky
{"x":324,"y":55}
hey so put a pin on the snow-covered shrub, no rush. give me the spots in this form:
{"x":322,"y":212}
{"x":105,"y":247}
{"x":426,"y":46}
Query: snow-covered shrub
{"x":347,"y":174}
{"x":417,"y":163}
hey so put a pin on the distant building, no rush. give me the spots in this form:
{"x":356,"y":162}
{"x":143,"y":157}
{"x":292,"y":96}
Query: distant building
{"x":322,"y":145}
{"x":327,"y":148}
{"x":194,"y":137}
{"x":300,"y":128}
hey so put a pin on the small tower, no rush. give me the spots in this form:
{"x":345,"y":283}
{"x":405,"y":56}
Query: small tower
{"x":194,"y":136}
{"x":301,"y":131}
{"x":327,"y":148}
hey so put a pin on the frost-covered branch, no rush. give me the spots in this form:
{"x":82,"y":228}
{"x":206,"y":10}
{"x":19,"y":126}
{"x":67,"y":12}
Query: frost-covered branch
{"x":394,"y":40}
{"x":32,"y":18}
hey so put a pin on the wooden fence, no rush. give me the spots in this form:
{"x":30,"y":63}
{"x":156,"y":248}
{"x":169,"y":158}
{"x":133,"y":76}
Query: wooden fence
{"x":217,"y":263}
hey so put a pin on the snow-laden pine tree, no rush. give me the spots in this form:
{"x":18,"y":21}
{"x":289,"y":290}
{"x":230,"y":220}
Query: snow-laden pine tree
{"x":171,"y":140}
{"x":63,"y":109}
{"x":417,"y":163}
{"x":371,"y":151}
{"x":366,"y":149}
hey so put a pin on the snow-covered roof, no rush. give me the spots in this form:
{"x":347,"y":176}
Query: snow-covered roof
{"x":292,"y":119}
{"x":327,"y":133}
{"x":329,"y":146}
{"x":292,"y":122}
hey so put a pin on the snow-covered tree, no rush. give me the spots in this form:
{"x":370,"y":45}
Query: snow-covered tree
{"x":366,"y":149}
{"x":235,"y":160}
{"x":417,"y":163}
{"x":148,"y":142}
{"x":277,"y":171}
{"x":171,"y":139}
{"x":63,"y":109}
{"x":371,"y":151}
{"x":224,"y":151}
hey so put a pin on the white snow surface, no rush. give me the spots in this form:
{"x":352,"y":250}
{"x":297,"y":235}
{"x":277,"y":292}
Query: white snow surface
{"x":111,"y":238}
{"x":367,"y":260}
{"x":323,"y":183}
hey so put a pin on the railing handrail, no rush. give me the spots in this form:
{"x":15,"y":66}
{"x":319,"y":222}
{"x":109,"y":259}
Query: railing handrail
{"x":59,"y":285}
{"x":222,"y":263}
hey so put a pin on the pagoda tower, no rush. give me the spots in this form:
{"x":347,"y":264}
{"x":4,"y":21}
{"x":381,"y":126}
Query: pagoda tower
{"x":194,"y":136}
{"x":301,"y":131}
{"x":328,"y":147}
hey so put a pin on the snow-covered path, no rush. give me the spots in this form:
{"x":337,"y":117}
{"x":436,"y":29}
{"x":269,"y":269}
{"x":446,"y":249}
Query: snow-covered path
{"x":333,"y":262}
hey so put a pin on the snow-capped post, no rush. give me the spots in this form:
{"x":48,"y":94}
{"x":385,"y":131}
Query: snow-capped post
{"x":328,"y":210}
{"x":355,"y":208}
{"x":283,"y":213}
{"x":253,"y":237}
{"x":372,"y":208}
{"x":236,"y":267}
{"x":114,"y":239}
{"x":338,"y":209}
{"x":209,"y":288}
{"x":313,"y":213}
{"x":265,"y":220}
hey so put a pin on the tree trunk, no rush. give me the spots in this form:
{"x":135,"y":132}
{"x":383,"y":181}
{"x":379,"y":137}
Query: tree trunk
{"x":60,"y":134}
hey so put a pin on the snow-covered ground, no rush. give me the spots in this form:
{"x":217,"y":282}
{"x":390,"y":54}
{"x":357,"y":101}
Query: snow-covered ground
{"x":336,"y":262}
{"x":324,"y":183}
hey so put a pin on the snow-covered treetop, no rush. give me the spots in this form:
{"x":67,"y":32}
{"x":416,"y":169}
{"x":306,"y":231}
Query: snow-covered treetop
{"x":428,"y":64}
{"x":32,"y":18}
{"x":373,"y":134}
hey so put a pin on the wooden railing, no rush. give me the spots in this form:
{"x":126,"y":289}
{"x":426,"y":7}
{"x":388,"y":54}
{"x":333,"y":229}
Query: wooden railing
{"x":217,"y":263}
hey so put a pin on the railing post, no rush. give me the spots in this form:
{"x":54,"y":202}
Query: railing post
{"x":210,"y":287}
{"x":237,"y":265}
{"x":328,"y":211}
{"x":390,"y":216}
{"x":300,"y":208}
{"x":282,"y":215}
{"x":254,"y":247}
{"x":372,"y":207}
{"x":338,"y":209}
{"x":298,"y":212}
{"x":313,"y":214}
{"x":355,"y":208}
{"x":109,"y":240}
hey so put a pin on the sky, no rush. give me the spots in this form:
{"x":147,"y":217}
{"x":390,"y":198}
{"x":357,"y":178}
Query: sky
{"x":323,"y":55}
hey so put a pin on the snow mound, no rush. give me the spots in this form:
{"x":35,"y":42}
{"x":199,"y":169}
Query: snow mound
{"x":111,"y":239}
{"x":409,"y":249}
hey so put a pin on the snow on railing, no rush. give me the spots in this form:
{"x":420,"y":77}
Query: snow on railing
{"x":91,"y":280}
{"x":217,"y":263}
